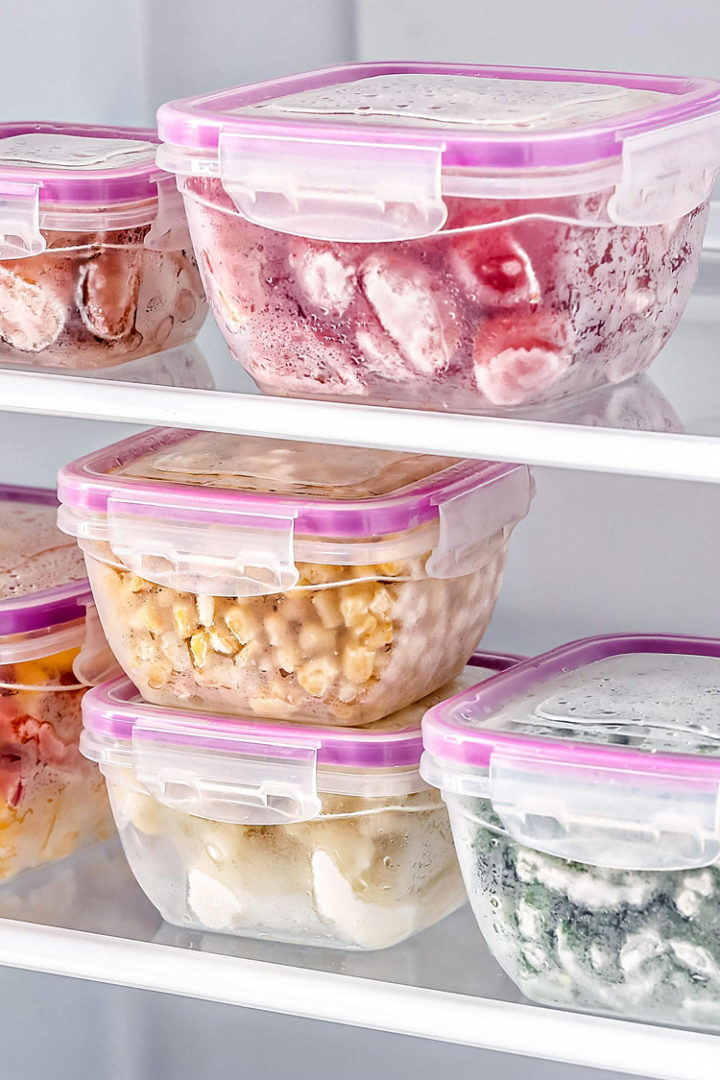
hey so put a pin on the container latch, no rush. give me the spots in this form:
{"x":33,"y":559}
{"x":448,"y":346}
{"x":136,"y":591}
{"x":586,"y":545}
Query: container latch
{"x":329,"y":190}
{"x":226,"y":776}
{"x":618,"y":818}
{"x":218,"y":552}
{"x":469,"y":520}
{"x":667,"y":173}
{"x":20,"y":234}
{"x":169,"y":230}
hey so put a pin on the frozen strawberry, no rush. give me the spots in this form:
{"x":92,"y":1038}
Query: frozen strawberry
{"x":108,"y":287}
{"x":290,"y":354}
{"x":489,"y":262}
{"x":324,"y":279}
{"x":518,"y":357}
{"x":380,"y":356}
{"x":32,"y":308}
{"x":413,"y":308}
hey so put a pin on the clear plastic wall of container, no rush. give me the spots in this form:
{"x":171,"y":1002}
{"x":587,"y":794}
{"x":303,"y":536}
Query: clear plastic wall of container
{"x":446,"y":236}
{"x":52,"y":801}
{"x":320,"y":836}
{"x":96,"y":265}
{"x":263,"y":576}
{"x":583,"y":796}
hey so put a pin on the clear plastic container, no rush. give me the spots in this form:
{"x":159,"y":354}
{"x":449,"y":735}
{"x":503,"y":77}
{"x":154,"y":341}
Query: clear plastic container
{"x":583,"y":793}
{"x":290,"y":580}
{"x":96,"y":265}
{"x":292,"y":832}
{"x":446,"y":236}
{"x":52,"y":801}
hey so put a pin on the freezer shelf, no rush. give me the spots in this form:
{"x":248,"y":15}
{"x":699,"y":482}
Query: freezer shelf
{"x":89,"y":919}
{"x":201,"y":386}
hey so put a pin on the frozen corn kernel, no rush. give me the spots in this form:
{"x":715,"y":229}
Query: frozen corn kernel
{"x":381,"y":603}
{"x":153,"y":617}
{"x":285,"y":658}
{"x":185,"y":618}
{"x":139,"y":584}
{"x":318,"y":573}
{"x":327,"y":604}
{"x":158,"y":674}
{"x":391,"y":570}
{"x":244,"y":623}
{"x":358,"y":663}
{"x":222,"y":641}
{"x":199,"y":644}
{"x":355,"y":601}
{"x":381,"y":635}
{"x":206,"y":610}
{"x":317,"y":676}
{"x":314,"y":638}
{"x":277,"y":629}
{"x":249,"y":654}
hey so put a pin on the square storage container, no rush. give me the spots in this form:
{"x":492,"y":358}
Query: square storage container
{"x":52,"y":801}
{"x":446,"y":236}
{"x":290,"y":832}
{"x":290,"y":580}
{"x":583,"y":794}
{"x":96,"y":265}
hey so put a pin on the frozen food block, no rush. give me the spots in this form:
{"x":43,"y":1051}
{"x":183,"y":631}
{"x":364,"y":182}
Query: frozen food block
{"x":290,"y":579}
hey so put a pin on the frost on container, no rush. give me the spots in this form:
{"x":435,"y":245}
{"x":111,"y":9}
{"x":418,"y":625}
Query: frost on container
{"x":584,"y":810}
{"x":320,"y":836}
{"x":96,"y":265}
{"x":290,"y":580}
{"x":447,"y":236}
{"x":52,"y":800}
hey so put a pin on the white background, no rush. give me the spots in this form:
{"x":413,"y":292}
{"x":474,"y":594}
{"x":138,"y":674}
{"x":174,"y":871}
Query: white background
{"x":596,"y":554}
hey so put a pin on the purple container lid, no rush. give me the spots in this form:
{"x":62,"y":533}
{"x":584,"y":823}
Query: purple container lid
{"x":45,"y":608}
{"x":88,"y":483}
{"x":114,"y":708}
{"x":101,"y":187}
{"x":459,"y":731}
{"x":197,"y":122}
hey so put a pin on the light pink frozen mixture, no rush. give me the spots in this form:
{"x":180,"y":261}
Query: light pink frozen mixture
{"x":492,"y":312}
{"x":95,"y":299}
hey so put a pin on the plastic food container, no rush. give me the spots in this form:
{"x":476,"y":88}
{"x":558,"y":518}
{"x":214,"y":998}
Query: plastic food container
{"x":96,"y":265}
{"x":290,"y":580}
{"x":320,"y":836}
{"x":52,"y":800}
{"x":583,"y":794}
{"x":446,"y":236}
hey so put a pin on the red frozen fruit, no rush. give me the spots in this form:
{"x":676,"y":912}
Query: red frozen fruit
{"x":489,"y":262}
{"x":517,"y":357}
{"x":413,"y":308}
{"x":324,"y":280}
{"x":108,"y":289}
{"x":32,"y":309}
{"x":380,"y":356}
{"x":290,"y":353}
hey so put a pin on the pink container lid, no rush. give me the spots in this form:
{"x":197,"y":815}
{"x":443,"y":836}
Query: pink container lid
{"x":512,"y":712}
{"x":197,"y":122}
{"x":45,"y":608}
{"x":50,"y":157}
{"x":113,"y":710}
{"x":89,"y":484}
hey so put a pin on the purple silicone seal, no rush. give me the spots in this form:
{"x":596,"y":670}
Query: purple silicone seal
{"x":114,"y":709}
{"x":464,"y":731}
{"x":45,"y":608}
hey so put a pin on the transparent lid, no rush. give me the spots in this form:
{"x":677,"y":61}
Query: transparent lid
{"x":366,"y":152}
{"x":231,"y":515}
{"x":243,"y":768}
{"x":605,"y":751}
{"x":42,"y":572}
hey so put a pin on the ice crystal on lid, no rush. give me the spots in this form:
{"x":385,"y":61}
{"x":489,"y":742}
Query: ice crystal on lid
{"x":34,"y":555}
{"x":464,"y":100}
{"x":72,"y":151}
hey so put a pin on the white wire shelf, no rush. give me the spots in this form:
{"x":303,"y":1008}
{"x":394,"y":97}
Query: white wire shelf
{"x":87,"y":918}
{"x":201,"y":386}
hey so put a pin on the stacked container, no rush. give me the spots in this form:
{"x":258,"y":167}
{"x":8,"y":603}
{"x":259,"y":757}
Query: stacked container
{"x":583,"y":789}
{"x":96,"y":265}
{"x":319,"y":593}
{"x":52,"y":801}
{"x":446,"y":236}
